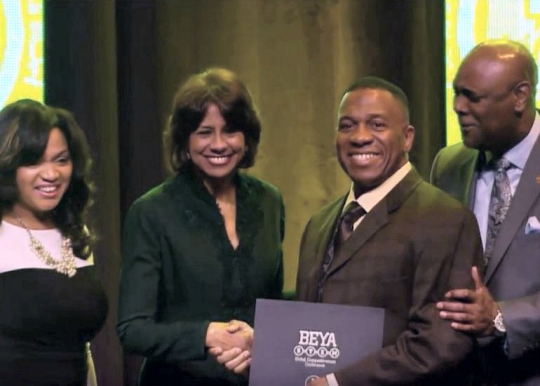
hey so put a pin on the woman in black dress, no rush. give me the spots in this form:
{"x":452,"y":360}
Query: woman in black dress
{"x":201,"y":247}
{"x":50,"y":303}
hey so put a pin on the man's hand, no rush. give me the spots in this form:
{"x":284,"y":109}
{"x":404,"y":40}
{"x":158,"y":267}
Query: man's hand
{"x":235,"y":334}
{"x":231,"y":344}
{"x":470,"y":311}
{"x":235,"y":359}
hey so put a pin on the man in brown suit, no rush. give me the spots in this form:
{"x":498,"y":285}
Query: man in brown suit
{"x":414,"y":244}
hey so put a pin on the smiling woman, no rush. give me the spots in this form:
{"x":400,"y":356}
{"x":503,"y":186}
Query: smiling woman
{"x":42,"y":185}
{"x":50,"y":303}
{"x":201,"y":247}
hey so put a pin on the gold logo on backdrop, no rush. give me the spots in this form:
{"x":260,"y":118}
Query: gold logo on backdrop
{"x":21,"y":50}
{"x":469,"y":22}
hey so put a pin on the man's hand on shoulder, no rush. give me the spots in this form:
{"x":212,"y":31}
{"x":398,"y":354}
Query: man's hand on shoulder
{"x":468,"y":310}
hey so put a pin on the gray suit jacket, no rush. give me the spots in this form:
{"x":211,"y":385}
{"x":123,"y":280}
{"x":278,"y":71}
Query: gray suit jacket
{"x":513,"y":272}
{"x":411,"y":248}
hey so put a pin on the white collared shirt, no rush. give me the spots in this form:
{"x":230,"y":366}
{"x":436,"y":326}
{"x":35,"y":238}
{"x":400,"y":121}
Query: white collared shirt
{"x":518,"y":156}
{"x":369,"y":199}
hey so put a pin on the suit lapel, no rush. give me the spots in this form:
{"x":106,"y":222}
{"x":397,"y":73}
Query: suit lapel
{"x":376,"y":219}
{"x":527,"y":192}
{"x":325,"y":230}
{"x":468,"y":173}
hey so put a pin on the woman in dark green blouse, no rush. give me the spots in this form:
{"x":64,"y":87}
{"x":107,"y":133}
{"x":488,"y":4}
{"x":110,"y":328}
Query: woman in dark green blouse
{"x":201,"y":247}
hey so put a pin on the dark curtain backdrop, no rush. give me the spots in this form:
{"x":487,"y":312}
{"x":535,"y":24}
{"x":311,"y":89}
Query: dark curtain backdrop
{"x":116,"y":65}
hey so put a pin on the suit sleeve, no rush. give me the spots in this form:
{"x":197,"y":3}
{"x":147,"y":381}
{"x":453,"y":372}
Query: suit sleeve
{"x":434,"y":170}
{"x":521,"y":319}
{"x":138,"y":329}
{"x":277,"y":286}
{"x":302,"y":292}
{"x":428,"y":347}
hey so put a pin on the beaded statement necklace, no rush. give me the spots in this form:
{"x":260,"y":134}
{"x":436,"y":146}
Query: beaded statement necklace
{"x":65,"y":265}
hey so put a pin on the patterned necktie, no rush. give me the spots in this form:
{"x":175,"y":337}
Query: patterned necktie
{"x":341,"y":233}
{"x":346,"y":223}
{"x":501,"y":196}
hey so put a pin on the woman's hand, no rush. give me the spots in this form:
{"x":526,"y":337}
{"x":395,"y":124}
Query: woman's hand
{"x":235,"y":334}
{"x":236,"y":358}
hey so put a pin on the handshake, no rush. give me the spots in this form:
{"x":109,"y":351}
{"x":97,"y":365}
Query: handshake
{"x":231,"y":344}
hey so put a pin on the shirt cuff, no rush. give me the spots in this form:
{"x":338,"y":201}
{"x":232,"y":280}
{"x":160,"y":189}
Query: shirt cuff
{"x":331,"y":379}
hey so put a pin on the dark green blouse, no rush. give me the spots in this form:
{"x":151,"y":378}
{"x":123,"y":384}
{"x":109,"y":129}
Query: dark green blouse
{"x":180,"y":272}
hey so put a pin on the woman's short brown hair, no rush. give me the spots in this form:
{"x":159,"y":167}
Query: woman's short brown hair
{"x":217,"y":86}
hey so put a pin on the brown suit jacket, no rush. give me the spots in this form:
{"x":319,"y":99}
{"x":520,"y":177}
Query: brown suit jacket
{"x":411,"y":248}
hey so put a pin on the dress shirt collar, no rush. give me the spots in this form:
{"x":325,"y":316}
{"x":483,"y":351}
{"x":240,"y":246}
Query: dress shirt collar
{"x":369,"y":199}
{"x":519,"y":154}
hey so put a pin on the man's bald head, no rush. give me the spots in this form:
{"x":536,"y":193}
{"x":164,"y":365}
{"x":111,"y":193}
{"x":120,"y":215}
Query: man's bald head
{"x":513,"y":55}
{"x":495,"y":90}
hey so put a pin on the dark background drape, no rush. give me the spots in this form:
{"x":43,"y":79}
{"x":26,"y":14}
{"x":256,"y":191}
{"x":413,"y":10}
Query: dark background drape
{"x":116,"y":65}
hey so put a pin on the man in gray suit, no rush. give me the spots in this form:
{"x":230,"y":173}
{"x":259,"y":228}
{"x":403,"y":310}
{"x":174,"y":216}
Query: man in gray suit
{"x":494,"y":90}
{"x":414,"y":244}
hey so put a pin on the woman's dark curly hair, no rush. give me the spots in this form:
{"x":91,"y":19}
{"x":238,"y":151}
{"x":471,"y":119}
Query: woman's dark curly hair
{"x":217,"y":86}
{"x":25,"y":127}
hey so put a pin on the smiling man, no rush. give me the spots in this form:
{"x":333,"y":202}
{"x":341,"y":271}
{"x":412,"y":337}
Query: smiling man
{"x":393,"y":241}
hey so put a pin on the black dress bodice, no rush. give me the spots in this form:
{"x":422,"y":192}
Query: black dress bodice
{"x":46,"y":318}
